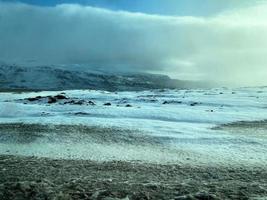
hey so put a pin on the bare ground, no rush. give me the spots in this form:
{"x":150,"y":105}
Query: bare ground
{"x":24,"y":178}
{"x":43,"y":178}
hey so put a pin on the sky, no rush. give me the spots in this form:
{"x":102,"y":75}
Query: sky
{"x":162,"y":7}
{"x":223,"y":41}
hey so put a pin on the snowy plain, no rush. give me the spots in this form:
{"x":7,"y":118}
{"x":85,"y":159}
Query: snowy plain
{"x":184,"y":121}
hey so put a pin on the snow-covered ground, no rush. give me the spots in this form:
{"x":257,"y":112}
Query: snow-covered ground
{"x":183,"y":120}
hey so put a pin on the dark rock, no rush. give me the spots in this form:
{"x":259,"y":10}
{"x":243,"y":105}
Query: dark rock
{"x":44,"y":113}
{"x":73,"y":102}
{"x":69,"y":102}
{"x":81,"y":113}
{"x":194,"y":104}
{"x":153,"y":100}
{"x":107,"y":104}
{"x":32,"y":99}
{"x":128,"y":105}
{"x":51,"y":100}
{"x":80,"y":102}
{"x":209,"y":110}
{"x":60,"y":96}
{"x":91,"y":103}
{"x":172,"y":102}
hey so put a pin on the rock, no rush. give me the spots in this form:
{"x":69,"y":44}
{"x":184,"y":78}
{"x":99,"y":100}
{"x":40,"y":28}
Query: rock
{"x":32,"y":99}
{"x":153,"y":100}
{"x":91,"y":103}
{"x":45,"y":113}
{"x":60,"y":96}
{"x":128,"y":105}
{"x":80,"y":102}
{"x":51,"y":100}
{"x":174,"y":102}
{"x":194,"y":104}
{"x":107,"y":104}
{"x":165,"y":102}
{"x":69,"y":102}
{"x":81,"y":113}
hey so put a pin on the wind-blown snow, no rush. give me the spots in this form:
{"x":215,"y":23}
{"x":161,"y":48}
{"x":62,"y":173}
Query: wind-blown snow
{"x":181,"y":119}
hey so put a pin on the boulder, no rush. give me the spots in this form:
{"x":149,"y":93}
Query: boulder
{"x":51,"y":100}
{"x":60,"y":96}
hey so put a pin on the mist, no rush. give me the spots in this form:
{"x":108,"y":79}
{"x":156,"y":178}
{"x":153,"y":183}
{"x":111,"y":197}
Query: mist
{"x":228,"y":48}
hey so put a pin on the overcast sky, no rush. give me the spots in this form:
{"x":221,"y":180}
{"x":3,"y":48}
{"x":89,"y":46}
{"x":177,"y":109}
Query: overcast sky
{"x":224,"y":41}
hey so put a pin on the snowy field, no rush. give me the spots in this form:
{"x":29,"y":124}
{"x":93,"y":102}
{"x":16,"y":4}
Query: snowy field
{"x":159,"y":126}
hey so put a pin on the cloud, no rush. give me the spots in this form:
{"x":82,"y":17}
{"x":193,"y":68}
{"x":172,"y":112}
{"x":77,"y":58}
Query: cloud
{"x":230,"y":47}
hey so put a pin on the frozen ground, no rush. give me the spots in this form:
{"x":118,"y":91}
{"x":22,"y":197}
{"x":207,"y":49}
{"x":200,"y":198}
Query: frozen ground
{"x":160,"y":126}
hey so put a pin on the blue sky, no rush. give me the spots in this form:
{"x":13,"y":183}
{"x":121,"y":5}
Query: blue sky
{"x":162,"y":7}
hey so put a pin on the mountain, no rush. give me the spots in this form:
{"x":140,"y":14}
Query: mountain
{"x":56,"y":78}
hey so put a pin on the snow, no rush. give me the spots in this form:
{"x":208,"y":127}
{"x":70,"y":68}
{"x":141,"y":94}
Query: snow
{"x":185,"y":128}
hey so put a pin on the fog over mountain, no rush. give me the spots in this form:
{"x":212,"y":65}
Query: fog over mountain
{"x":229,"y":47}
{"x":19,"y":78}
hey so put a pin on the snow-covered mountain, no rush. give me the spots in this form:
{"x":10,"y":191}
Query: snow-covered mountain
{"x":56,"y":78}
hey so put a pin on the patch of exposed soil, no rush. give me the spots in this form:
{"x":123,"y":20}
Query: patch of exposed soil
{"x":42,"y":178}
{"x":26,"y":133}
{"x":248,"y":128}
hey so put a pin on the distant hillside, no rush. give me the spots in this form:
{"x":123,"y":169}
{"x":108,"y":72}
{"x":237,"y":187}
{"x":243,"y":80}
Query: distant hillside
{"x":51,"y":78}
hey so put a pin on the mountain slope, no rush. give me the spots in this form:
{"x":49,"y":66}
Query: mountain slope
{"x":52,"y":78}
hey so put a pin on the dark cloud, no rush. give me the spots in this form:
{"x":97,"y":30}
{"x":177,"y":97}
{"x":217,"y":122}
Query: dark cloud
{"x":230,"y":47}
